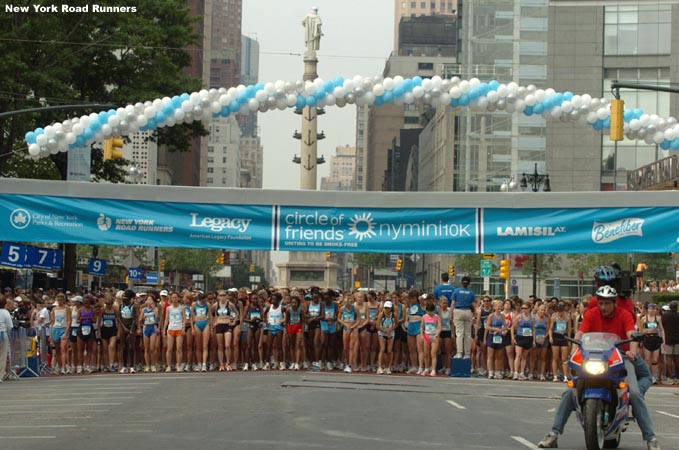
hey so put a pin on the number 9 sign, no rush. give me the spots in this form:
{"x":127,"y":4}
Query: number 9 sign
{"x":96,"y":267}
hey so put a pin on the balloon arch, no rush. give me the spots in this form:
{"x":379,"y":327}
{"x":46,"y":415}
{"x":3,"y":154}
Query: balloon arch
{"x":438,"y":92}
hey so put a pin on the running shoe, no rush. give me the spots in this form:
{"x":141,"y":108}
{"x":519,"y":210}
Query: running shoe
{"x":432,"y":373}
{"x":305,"y":365}
{"x":80,"y":370}
{"x":423,"y":373}
{"x":516,"y":376}
{"x":328,"y":365}
{"x":246,"y":367}
{"x":168,"y":369}
{"x":498,"y":376}
{"x":296,"y":367}
{"x":420,"y":370}
{"x":387,"y":371}
{"x":267,"y":366}
{"x":254,"y":367}
{"x":133,"y":370}
{"x":522,"y":377}
{"x":347,"y":368}
{"x":380,"y":371}
{"x":147,"y":369}
{"x":542,"y":378}
{"x":491,"y":375}
{"x":204,"y":368}
{"x":154,"y":369}
{"x":550,"y":441}
{"x":228,"y":368}
{"x":124,"y":370}
{"x":653,"y":444}
{"x":281,"y":366}
{"x":458,"y":355}
{"x":412,"y":370}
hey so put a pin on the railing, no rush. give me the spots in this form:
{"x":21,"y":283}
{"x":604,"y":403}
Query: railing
{"x":483,"y":71}
{"x":660,"y":174}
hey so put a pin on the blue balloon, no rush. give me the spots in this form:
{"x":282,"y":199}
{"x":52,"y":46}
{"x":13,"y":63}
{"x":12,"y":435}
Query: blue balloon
{"x":160,"y":117}
{"x":250,"y":91}
{"x":638,"y":113}
{"x":301,"y":102}
{"x":675,"y":144}
{"x":628,"y":115}
{"x":474,"y":94}
{"x":234,"y":106}
{"x":79,"y":141}
{"x":88,"y":134}
{"x":417,"y":81}
{"x":311,"y":101}
{"x":30,"y":137}
{"x":388,"y":97}
{"x":454,"y":103}
{"x":152,"y":124}
{"x":494,"y":84}
{"x":328,"y":86}
{"x":39,"y":131}
{"x":184,"y":97}
{"x":398,"y":91}
{"x":168,"y":110}
{"x":568,"y":95}
{"x":558,"y":98}
{"x":598,"y":125}
{"x":243,"y":99}
{"x":538,"y":108}
{"x":379,"y":100}
{"x":484,"y":88}
{"x":225,"y":112}
{"x":607,"y":123}
{"x":111,"y":112}
{"x":463,"y":100}
{"x":103,"y":118}
{"x":176,"y":102}
{"x":215,"y":115}
{"x":408,"y":85}
{"x":528,"y":111}
{"x":320,"y":94}
{"x":259,"y":86}
{"x":339,"y":81}
{"x":95,"y":125}
{"x":665,"y":145}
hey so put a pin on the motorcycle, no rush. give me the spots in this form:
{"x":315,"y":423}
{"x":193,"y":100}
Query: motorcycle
{"x":600,"y":392}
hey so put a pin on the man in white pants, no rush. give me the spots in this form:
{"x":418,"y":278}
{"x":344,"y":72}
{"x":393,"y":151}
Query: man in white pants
{"x":463,"y":303}
{"x":6,"y":326}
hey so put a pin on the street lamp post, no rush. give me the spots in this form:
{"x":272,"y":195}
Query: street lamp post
{"x":536,"y":180}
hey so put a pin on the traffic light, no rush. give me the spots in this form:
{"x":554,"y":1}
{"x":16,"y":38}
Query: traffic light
{"x":451,"y":270}
{"x":504,"y":269}
{"x":399,"y":264}
{"x":162,"y":264}
{"x":220,"y":258}
{"x":328,"y":255}
{"x":252,"y":268}
{"x":617,"y":120}
{"x":113,"y":149}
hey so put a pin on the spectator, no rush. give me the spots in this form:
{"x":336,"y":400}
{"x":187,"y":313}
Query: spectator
{"x":6,"y":326}
{"x":670,"y":348}
{"x":445,"y":289}
{"x":639,"y":274}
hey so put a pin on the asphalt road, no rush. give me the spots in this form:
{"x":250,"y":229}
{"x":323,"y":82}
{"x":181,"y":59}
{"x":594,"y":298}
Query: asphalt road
{"x":294,"y":410}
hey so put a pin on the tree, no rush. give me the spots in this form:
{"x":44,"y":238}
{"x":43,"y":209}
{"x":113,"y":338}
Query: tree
{"x":92,"y":58}
{"x":468,"y":265}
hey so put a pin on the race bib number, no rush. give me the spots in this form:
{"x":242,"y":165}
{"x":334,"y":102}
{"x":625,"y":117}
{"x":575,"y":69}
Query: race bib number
{"x":526,"y":331}
{"x":86,"y":330}
{"x":108,"y":323}
{"x":74,"y":332}
{"x":430,"y":328}
{"x":497,"y":339}
{"x":330,"y":314}
{"x":652,"y":325}
{"x":560,"y":327}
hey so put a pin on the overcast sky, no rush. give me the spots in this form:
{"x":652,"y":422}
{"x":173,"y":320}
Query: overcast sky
{"x":358,"y":37}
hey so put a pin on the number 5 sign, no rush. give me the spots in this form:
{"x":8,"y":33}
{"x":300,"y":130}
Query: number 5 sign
{"x":96,"y":267}
{"x":13,"y":255}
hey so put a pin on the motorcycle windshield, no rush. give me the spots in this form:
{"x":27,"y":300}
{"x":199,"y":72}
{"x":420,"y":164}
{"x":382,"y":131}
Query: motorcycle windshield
{"x":599,"y":341}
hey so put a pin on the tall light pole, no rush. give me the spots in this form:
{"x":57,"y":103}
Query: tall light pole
{"x":536,"y":180}
{"x":507,"y":185}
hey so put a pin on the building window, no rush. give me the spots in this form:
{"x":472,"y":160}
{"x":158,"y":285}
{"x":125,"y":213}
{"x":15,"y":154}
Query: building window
{"x":210,"y":180}
{"x":413,"y":5}
{"x":433,"y":5}
{"x":410,"y":120}
{"x":210,"y":170}
{"x":423,"y":5}
{"x":425,"y":66}
{"x":224,"y":160}
{"x":210,"y":160}
{"x":210,"y":149}
{"x":637,"y":30}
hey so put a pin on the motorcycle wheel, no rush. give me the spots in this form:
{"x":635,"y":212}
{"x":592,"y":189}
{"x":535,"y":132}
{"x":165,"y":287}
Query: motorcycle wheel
{"x":592,"y":414}
{"x":613,"y":443}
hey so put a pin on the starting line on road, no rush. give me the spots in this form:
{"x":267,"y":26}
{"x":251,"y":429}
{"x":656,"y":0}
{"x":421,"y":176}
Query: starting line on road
{"x":525,"y":442}
{"x":455,"y":404}
{"x":668,"y":414}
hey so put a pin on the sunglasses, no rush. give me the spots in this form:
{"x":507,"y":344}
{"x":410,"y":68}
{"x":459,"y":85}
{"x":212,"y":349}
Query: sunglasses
{"x":524,"y":307}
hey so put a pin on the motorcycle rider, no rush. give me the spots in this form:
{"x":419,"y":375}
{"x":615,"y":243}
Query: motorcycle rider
{"x":609,"y":319}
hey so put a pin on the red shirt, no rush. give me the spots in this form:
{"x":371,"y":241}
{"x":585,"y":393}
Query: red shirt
{"x":620,"y":324}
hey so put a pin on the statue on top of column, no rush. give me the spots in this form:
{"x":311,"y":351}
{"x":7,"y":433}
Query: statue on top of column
{"x":312,"y":31}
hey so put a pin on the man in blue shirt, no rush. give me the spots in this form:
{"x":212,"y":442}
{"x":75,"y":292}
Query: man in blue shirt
{"x":445,"y":289}
{"x":463,"y":303}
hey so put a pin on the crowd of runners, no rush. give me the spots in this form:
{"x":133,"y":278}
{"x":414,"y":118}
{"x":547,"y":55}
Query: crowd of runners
{"x":289,"y":329}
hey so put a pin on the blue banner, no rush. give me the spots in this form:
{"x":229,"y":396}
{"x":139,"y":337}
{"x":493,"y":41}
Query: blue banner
{"x":58,"y":260}
{"x":580,"y":230}
{"x":96,"y":267}
{"x":40,"y":258}
{"x":424,"y":230}
{"x":30,"y":218}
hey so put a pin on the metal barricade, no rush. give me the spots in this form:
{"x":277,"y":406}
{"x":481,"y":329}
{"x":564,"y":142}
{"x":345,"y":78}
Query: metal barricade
{"x":44,"y":351}
{"x":20,"y":346}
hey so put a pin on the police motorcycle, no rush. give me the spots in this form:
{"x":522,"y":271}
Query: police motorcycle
{"x":600,"y":392}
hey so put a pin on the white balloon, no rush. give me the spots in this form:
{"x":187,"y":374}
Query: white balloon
{"x":408,"y":98}
{"x":645,"y":120}
{"x":567,"y":106}
{"x":493,"y":97}
{"x":261,"y":96}
{"x":519,"y":105}
{"x":361,"y":101}
{"x":388,"y":84}
{"x":34,"y":149}
{"x":464,"y":86}
{"x":649,"y":139}
{"x":540,"y":95}
{"x":654,"y":119}
{"x":279,"y":84}
{"x":658,"y":137}
{"x":291,"y":100}
{"x":370,"y":97}
{"x":444,"y":99}
{"x":70,"y":137}
{"x":281,"y":104}
{"x":576,"y":101}
{"x":149,"y":111}
{"x":269,"y":88}
{"x":398,"y":79}
{"x":482,"y":102}
{"x":378,"y":89}
{"x":436,"y":82}
{"x":339,"y":91}
{"x":502,"y":91}
{"x":530,"y":100}
{"x":240,"y":89}
{"x":141,"y":121}
{"x":330,"y":100}
{"x":591,"y":117}
{"x":556,"y":112}
{"x":512,"y":87}
{"x":455,"y":92}
{"x":602,"y":113}
{"x":670,"y":134}
{"x":348,"y":85}
{"x":418,"y":91}
{"x":215,"y":107}
{"x":224,"y":100}
{"x":634,"y":124}
{"x":427,"y":85}
{"x":549,"y":92}
{"x":586,"y":99}
{"x":49,"y":131}
{"x":106,"y":130}
{"x":114,"y":121}
{"x":474,"y":83}
{"x":78,"y":129}
{"x":309,"y":88}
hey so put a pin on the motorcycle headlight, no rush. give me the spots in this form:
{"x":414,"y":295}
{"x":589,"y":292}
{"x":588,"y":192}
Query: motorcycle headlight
{"x":595,"y":367}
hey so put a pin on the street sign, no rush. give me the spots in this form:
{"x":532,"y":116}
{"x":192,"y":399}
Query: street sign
{"x":489,"y":256}
{"x":96,"y":267}
{"x":151,"y":277}
{"x":134,"y":273}
{"x":486,"y":268}
{"x":486,"y":284}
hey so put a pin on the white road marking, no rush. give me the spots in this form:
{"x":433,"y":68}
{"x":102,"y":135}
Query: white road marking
{"x":551,"y":410}
{"x":525,"y":442}
{"x":41,"y":426}
{"x":668,"y":414}
{"x":28,"y":437}
{"x":50,"y":412}
{"x":455,"y":404}
{"x":65,"y":400}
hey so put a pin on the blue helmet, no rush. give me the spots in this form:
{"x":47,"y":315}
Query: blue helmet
{"x":605,"y":274}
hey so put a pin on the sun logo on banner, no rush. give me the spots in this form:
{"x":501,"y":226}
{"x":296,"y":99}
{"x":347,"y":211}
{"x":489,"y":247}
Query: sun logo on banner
{"x":362,"y":226}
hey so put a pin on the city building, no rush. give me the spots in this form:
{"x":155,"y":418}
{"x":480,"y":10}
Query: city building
{"x":249,"y":76}
{"x":251,"y":162}
{"x":223,"y":159}
{"x":142,"y":152}
{"x":341,"y":171}
{"x":403,"y":8}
